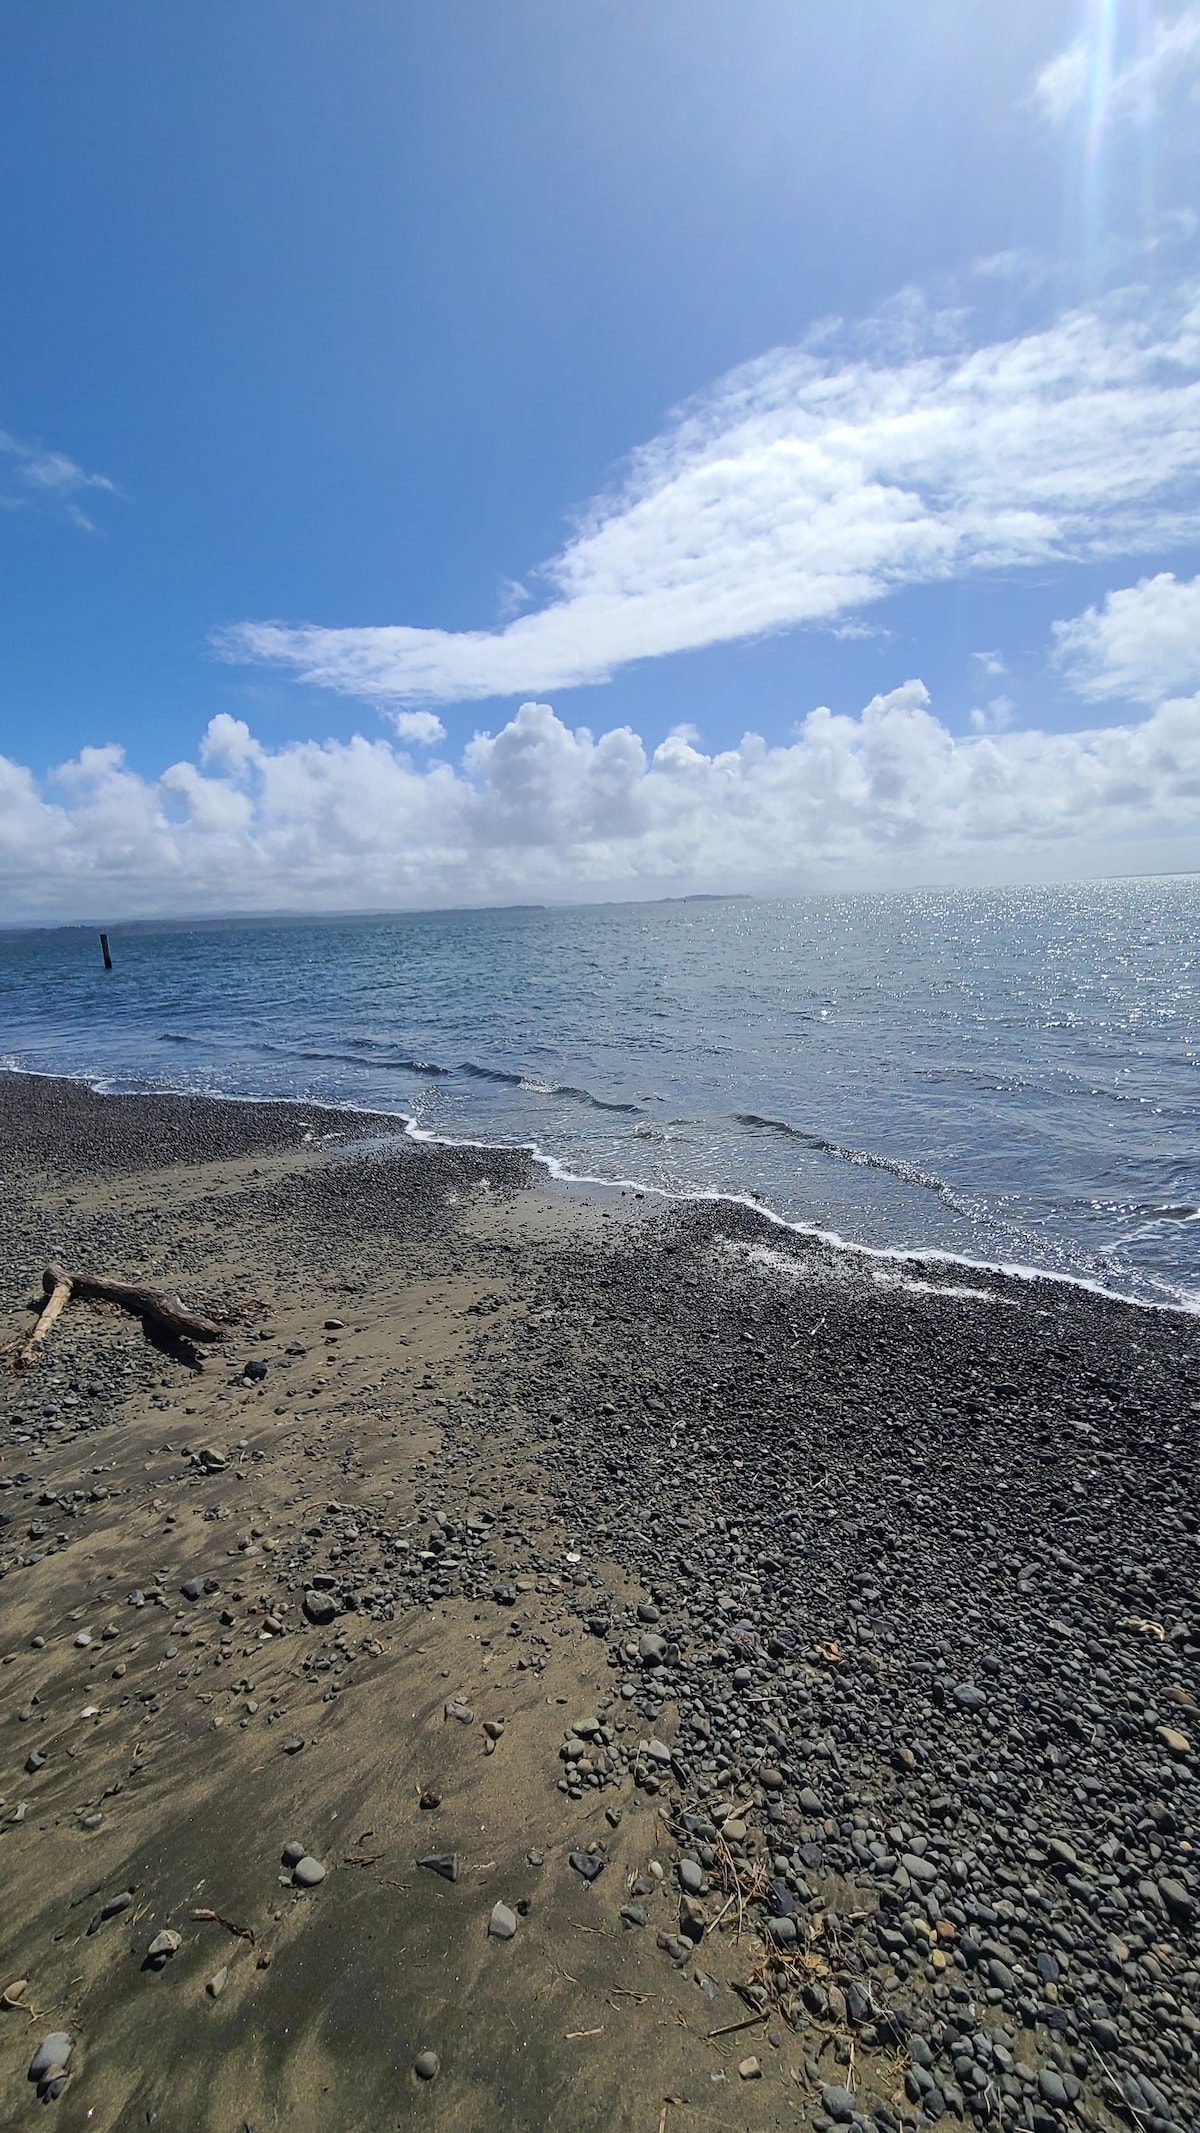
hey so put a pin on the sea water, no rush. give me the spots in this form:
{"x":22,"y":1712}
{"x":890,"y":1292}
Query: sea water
{"x":1009,"y":1075}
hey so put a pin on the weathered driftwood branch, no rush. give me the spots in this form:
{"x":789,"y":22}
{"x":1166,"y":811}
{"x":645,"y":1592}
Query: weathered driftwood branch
{"x":57,"y":1294}
{"x":169,"y":1313}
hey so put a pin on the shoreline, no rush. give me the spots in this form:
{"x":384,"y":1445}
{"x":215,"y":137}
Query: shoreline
{"x":558,"y":1173}
{"x":866,"y":1597}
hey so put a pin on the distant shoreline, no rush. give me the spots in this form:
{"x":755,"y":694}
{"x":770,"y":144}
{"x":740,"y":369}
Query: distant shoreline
{"x":183,"y":922}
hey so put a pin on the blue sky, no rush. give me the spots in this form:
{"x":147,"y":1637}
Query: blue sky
{"x":372,"y":370}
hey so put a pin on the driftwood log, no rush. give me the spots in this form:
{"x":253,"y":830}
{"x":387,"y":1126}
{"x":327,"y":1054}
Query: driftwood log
{"x":58,"y":1293}
{"x":169,"y":1313}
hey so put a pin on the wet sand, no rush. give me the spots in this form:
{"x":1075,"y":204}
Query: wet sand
{"x":843,"y":1610}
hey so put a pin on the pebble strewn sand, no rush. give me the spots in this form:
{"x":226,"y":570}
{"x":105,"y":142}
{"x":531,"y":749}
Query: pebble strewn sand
{"x":577,"y":1662}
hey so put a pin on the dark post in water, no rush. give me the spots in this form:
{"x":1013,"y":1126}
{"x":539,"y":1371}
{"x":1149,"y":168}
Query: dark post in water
{"x":104,"y":951}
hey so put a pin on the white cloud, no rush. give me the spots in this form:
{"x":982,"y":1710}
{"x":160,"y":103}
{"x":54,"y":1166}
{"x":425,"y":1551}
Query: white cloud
{"x":804,"y":487}
{"x":1062,"y":83}
{"x":1084,"y":75}
{"x":540,"y":811}
{"x":1143,"y":644}
{"x":991,"y":662}
{"x":512,"y":597}
{"x":995,"y":717}
{"x":33,"y":478}
{"x":423,"y":727}
{"x":1021,"y":267}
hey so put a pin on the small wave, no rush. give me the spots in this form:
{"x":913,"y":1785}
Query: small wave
{"x":792,"y":1133}
{"x":1147,"y":1221}
{"x":171,"y":1036}
{"x":598,"y":1103}
{"x":545,"y":1088}
{"x":354,"y":1058}
{"x":482,"y":1073}
{"x":907,"y":1173}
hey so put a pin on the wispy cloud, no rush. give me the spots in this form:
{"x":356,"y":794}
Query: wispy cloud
{"x":808,"y":485}
{"x":33,"y":478}
{"x":1084,"y":75}
{"x":541,"y":810}
{"x":994,"y":717}
{"x":1143,"y":644}
{"x":1019,"y":268}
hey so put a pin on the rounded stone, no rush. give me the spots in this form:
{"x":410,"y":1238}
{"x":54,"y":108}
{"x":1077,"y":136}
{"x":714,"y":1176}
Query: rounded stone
{"x":427,"y":2066}
{"x":51,"y":2055}
{"x":839,"y":2103}
{"x":307,"y":1872}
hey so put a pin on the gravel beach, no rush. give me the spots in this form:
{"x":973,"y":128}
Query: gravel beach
{"x":574,"y":1658}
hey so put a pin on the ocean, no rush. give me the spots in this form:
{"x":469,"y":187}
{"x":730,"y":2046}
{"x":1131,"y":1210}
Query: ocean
{"x":1006,"y":1075}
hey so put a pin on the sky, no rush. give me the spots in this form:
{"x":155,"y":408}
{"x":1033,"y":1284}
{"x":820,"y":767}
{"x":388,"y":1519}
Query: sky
{"x":481,"y":454}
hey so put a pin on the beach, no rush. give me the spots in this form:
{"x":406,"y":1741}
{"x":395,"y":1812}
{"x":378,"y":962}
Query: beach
{"x":725,"y":1680}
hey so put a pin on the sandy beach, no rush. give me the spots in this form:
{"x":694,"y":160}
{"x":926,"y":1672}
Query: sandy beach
{"x":569,"y":1659}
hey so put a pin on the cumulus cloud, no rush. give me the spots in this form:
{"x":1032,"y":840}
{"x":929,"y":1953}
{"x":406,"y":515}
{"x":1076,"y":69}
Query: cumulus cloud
{"x":1085,"y":73}
{"x":806,"y":485}
{"x":541,"y":810}
{"x":1142,"y":645}
{"x":33,"y":478}
{"x":423,"y":727}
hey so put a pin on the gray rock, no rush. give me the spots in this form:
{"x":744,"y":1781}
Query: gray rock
{"x":320,"y":1607}
{"x":293,"y":1853}
{"x":691,"y":1876}
{"x":839,"y":2103}
{"x":51,"y":2055}
{"x":503,"y":1923}
{"x":1179,"y":1902}
{"x":217,"y":1982}
{"x":444,"y":1864}
{"x":307,"y":1872}
{"x":427,"y":2066}
{"x":693,"y":1918}
{"x":587,"y":1864}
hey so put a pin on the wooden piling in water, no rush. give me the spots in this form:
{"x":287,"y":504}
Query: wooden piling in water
{"x":105,"y":951}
